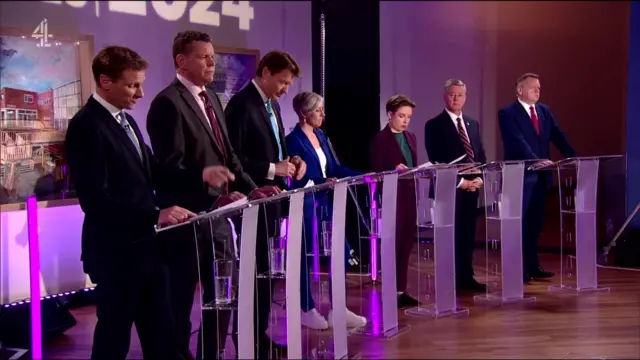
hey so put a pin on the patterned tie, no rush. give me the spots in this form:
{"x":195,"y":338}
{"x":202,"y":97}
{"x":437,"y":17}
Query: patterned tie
{"x":274,"y":126}
{"x":130,"y":133}
{"x":208,"y":106}
{"x":465,"y":140}
{"x":534,"y":119}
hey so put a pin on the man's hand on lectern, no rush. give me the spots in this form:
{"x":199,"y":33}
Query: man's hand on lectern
{"x":263,"y":192}
{"x":226,"y":199}
{"x":174,"y":215}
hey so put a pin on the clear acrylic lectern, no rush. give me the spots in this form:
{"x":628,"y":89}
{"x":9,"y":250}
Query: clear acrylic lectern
{"x":503,"y":185}
{"x":436,"y":187}
{"x":578,"y":183}
{"x":230,"y":282}
{"x":382,"y":303}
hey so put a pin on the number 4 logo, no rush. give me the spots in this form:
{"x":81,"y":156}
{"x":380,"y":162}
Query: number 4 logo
{"x":242,"y":10}
{"x":42,"y":32}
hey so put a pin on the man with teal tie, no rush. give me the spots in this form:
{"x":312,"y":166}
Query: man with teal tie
{"x":257,"y":135}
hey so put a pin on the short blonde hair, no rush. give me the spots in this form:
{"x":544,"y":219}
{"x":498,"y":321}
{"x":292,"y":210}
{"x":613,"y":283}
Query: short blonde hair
{"x":306,"y":102}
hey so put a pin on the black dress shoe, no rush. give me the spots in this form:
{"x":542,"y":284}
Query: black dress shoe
{"x":539,"y":273}
{"x":405,"y":301}
{"x":472,"y":285}
{"x":527,"y":278}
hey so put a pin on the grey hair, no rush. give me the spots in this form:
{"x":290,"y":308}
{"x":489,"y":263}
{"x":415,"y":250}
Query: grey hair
{"x":453,"y":82}
{"x":306,"y":102}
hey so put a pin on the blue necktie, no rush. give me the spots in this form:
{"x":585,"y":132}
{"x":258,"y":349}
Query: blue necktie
{"x":130,"y":133}
{"x":274,"y":127}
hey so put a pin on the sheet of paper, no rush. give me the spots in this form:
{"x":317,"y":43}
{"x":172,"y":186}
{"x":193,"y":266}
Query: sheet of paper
{"x":457,"y":160}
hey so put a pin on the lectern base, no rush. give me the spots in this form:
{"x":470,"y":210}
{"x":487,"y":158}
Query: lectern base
{"x":12,"y":353}
{"x":369,"y":331}
{"x":496,"y":299}
{"x":318,"y":354}
{"x":569,"y":288}
{"x":431,"y":312}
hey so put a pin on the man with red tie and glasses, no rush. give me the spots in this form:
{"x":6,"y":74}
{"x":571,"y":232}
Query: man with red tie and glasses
{"x":527,"y":129}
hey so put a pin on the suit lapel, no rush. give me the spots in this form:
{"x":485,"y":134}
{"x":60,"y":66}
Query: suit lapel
{"x":120,"y":134}
{"x":526,"y":124}
{"x":542,"y":120}
{"x":193,"y":104}
{"x":202,"y":117}
{"x":143,"y":148}
{"x":262,"y":108}
{"x":304,"y":139}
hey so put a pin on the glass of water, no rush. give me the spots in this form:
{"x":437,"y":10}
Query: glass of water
{"x":277,"y":255}
{"x":326,"y":238}
{"x":223,"y":274}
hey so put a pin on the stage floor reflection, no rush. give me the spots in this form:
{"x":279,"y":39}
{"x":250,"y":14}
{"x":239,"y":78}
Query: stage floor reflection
{"x":602,"y":325}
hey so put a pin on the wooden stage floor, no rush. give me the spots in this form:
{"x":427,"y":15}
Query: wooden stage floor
{"x":558,"y":325}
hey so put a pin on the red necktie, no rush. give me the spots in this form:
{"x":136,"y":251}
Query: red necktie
{"x":534,"y":119}
{"x":465,"y":140}
{"x":208,"y":106}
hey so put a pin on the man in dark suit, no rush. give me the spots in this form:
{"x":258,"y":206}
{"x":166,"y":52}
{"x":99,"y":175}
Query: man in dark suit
{"x":527,"y":129}
{"x":115,"y":175}
{"x":187,"y":130}
{"x":257,"y":135}
{"x":447,"y":137}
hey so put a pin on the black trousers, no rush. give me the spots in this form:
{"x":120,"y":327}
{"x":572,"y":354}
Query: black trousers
{"x":533,"y":201}
{"x":189,"y":266}
{"x":465,"y":234}
{"x":134,"y":291}
{"x":269,"y":219}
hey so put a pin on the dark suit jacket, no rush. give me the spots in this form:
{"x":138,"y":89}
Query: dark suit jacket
{"x":252,"y":136}
{"x":115,"y":187}
{"x":443,"y":143}
{"x":182,"y":138}
{"x":298,"y":144}
{"x":386,"y":153}
{"x":520,"y":139}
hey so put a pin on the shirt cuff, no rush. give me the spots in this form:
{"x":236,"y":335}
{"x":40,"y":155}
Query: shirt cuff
{"x":460,"y":183}
{"x":271,"y":173}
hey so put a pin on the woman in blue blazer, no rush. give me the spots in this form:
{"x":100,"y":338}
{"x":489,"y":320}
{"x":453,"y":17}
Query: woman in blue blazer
{"x":309,"y":143}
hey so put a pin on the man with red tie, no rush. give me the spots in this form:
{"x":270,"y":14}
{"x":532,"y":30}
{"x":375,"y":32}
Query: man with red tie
{"x":527,"y":129}
{"x":188,"y":132}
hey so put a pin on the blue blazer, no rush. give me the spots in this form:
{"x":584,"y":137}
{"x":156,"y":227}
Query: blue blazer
{"x":298,"y":143}
{"x":520,"y":139}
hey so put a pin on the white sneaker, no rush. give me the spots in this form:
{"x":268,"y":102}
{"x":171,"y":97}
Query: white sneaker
{"x":353,"y":320}
{"x":313,"y":320}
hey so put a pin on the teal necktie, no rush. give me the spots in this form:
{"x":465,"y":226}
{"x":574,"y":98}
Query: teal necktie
{"x":127,"y":129}
{"x":274,"y":127}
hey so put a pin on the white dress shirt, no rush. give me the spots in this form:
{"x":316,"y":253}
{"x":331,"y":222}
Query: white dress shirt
{"x":527,"y":107}
{"x":323,"y":165}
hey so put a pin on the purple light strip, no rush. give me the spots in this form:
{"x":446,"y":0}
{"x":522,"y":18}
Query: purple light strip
{"x":373,"y":236}
{"x":316,"y":246}
{"x":34,"y":277}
